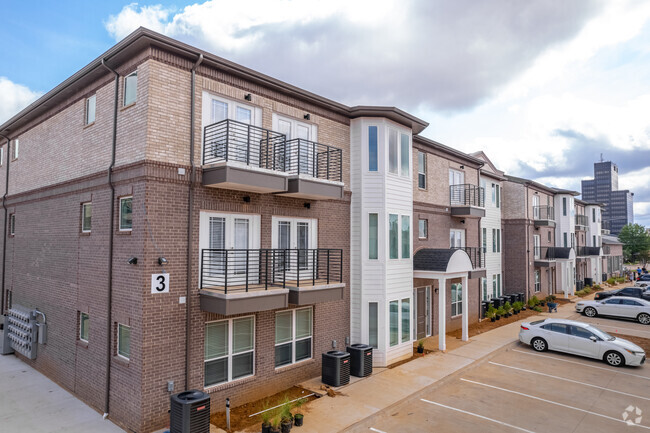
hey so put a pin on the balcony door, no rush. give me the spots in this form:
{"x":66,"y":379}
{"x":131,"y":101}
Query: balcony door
{"x":229,"y":248}
{"x":297,"y":238}
{"x":456,"y":238}
{"x":457,"y":193}
{"x":301,"y":153}
{"x":535,"y":207}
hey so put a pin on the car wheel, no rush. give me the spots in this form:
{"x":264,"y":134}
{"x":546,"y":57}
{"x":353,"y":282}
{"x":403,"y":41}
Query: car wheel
{"x":539,"y":344}
{"x":590,"y":312}
{"x":614,"y":359}
{"x":643,"y":318}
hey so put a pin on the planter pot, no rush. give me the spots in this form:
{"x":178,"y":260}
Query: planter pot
{"x":297,"y":419}
{"x":275,"y":430}
{"x":498,"y":317}
{"x":266,"y":428}
{"x":542,"y":303}
{"x":285,"y":427}
{"x":420,"y":350}
{"x":492,"y":319}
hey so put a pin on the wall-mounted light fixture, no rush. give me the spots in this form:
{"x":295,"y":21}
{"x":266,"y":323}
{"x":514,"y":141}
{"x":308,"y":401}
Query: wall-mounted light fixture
{"x":462,"y":221}
{"x":307,"y":205}
{"x":162,"y":261}
{"x":436,"y":290}
{"x":132,"y":261}
{"x":247,"y":199}
{"x":462,"y":167}
{"x":248,"y":97}
{"x":307,"y":116}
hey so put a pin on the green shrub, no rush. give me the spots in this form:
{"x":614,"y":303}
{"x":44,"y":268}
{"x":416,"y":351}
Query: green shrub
{"x":597,"y":287}
{"x":517,"y":305}
{"x":611,"y":280}
{"x":587,"y":290}
{"x":507,"y":307}
{"x":531,"y":302}
{"x":535,"y":300}
{"x":538,"y":308}
{"x":501,"y":311}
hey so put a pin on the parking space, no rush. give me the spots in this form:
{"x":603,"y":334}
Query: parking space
{"x":615,"y":325}
{"x":518,"y":389}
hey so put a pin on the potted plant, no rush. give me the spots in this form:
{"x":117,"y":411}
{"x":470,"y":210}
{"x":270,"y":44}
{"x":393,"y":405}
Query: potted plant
{"x":500,"y":312}
{"x":275,"y":424}
{"x":420,"y":347}
{"x":286,"y":419}
{"x":491,"y":313}
{"x":507,"y":308}
{"x":298,"y":417}
{"x":531,"y":303}
{"x":266,"y":418}
{"x":516,"y":306}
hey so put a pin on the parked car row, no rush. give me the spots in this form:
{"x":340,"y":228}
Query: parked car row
{"x":617,"y":306}
{"x":633,"y":292}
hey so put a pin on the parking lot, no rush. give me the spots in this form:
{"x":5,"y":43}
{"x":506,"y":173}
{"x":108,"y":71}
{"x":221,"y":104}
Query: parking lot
{"x":518,"y":389}
{"x":615,"y":325}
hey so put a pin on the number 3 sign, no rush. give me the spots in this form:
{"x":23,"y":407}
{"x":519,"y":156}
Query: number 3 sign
{"x":160,"y":283}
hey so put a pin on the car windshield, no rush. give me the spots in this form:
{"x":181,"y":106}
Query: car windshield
{"x":537,"y":322}
{"x":601,"y":334}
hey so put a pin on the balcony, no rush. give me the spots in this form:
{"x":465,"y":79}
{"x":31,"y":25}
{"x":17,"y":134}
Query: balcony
{"x":587,"y":251}
{"x":249,"y":280}
{"x":605,"y":227}
{"x":477,"y":257}
{"x":467,"y":200}
{"x":244,"y":157}
{"x":582,"y":221}
{"x":315,"y":169}
{"x":544,"y":216}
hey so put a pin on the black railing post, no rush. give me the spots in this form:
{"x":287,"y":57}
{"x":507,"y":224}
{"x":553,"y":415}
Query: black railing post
{"x":328,"y":266}
{"x":225,"y":277}
{"x":248,"y":145}
{"x":247,"y":268}
{"x":314,"y":150}
{"x":313,"y":267}
{"x":202,"y":265}
{"x":328,"y":164}
{"x":227,"y":139}
{"x":340,"y":152}
{"x":299,"y":157}
{"x":266,"y":272}
{"x":284,"y":268}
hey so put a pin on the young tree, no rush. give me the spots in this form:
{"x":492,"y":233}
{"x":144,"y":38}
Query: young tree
{"x":636,"y":243}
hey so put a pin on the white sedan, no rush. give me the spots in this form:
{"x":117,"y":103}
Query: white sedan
{"x":618,"y":306}
{"x":582,"y":339}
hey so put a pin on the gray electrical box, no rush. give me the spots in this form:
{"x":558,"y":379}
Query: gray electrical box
{"x":22,"y":331}
{"x":6,"y":343}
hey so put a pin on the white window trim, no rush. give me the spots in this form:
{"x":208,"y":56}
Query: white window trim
{"x":399,"y":323}
{"x":16,"y":148}
{"x":294,"y":340}
{"x":426,"y":228}
{"x":399,"y":235}
{"x":118,"y":341}
{"x":230,"y":353}
{"x":119,"y":221}
{"x":124,"y":103}
{"x":366,"y":254}
{"x":206,"y":106}
{"x":313,"y":231}
{"x":2,"y":156}
{"x":87,"y":111}
{"x":422,"y":172}
{"x":313,"y":129}
{"x":399,"y":132}
{"x":451,"y":298}
{"x":462,"y":237}
{"x":83,"y":216}
{"x":12,"y":224}
{"x":81,"y":314}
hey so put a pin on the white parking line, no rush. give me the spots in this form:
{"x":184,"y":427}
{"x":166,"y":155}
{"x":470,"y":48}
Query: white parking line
{"x":478,"y":416}
{"x":581,"y":364}
{"x":375,"y":430}
{"x":570,"y":380}
{"x":551,"y":402}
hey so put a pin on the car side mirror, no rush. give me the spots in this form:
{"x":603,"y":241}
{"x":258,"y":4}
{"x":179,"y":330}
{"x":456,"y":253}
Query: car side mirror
{"x":593,"y":338}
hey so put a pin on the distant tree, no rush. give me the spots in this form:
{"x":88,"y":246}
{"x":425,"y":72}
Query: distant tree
{"x":636,"y":243}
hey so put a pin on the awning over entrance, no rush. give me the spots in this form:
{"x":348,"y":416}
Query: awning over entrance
{"x":565,"y":253}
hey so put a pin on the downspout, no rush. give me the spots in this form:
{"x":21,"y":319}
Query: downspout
{"x":527,"y":247}
{"x":4,"y":243}
{"x":109,"y":310}
{"x":190,"y":226}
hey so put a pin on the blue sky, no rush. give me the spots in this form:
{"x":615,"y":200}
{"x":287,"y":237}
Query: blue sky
{"x":542,"y":86}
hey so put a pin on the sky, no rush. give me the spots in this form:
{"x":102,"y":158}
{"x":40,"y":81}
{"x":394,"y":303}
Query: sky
{"x":543,"y":87}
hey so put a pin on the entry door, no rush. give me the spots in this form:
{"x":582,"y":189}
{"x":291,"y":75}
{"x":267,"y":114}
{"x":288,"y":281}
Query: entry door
{"x":456,"y":238}
{"x":301,"y":153}
{"x":238,"y":146}
{"x":421,"y":304}
{"x":457,"y":194}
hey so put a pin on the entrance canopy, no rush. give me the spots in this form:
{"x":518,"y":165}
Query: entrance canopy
{"x":434,"y":262}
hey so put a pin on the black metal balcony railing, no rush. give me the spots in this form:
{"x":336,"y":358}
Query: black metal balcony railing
{"x":605,"y":226}
{"x":476,"y":255}
{"x":606,"y":249}
{"x":582,"y":220}
{"x":258,"y":269}
{"x":314,"y":159}
{"x":544,"y":253}
{"x":587,"y":251}
{"x":544,"y":213}
{"x":466,"y":195}
{"x":230,"y":140}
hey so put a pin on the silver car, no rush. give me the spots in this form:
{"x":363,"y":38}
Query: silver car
{"x":617,"y":306}
{"x":581,"y":339}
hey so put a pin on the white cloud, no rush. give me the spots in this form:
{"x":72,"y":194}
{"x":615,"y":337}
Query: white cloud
{"x":15,"y":97}
{"x":131,"y":17}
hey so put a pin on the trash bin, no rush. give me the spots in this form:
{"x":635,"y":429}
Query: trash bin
{"x":589,"y":281}
{"x":360,"y":360}
{"x":336,"y":368}
{"x":496,"y":302}
{"x":484,"y":307}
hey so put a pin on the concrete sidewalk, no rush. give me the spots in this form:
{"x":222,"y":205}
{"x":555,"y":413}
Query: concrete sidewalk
{"x":30,"y":402}
{"x":366,"y":397}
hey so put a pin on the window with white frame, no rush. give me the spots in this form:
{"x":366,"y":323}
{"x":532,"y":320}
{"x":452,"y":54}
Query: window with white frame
{"x":300,"y":150}
{"x":422,"y":228}
{"x":456,"y":238}
{"x":406,"y":236}
{"x":484,"y":287}
{"x":12,"y":224}
{"x":399,"y":146}
{"x":2,"y":156}
{"x":498,"y":240}
{"x":399,"y":235}
{"x":498,"y":284}
{"x":84,"y":322}
{"x":15,"y":148}
{"x":422,"y":170}
{"x":293,"y":336}
{"x":535,"y":207}
{"x":229,"y":350}
{"x":130,"y":88}
{"x":299,"y":237}
{"x":495,"y":292}
{"x":484,"y":240}
{"x":536,"y":247}
{"x":373,"y":233}
{"x":565,"y":239}
{"x":123,"y":341}
{"x":538,"y":284}
{"x":86,"y":217}
{"x":393,"y":236}
{"x":393,"y":322}
{"x":126,"y":213}
{"x":373,"y":155}
{"x":498,"y":195}
{"x":456,"y":299}
{"x":405,"y":155}
{"x":406,"y":320}
{"x":373,"y":321}
{"x":90,"y":109}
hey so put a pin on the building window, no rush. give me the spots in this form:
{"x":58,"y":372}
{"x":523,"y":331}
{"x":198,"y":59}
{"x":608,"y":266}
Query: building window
{"x":373,"y":333}
{"x":406,"y":236}
{"x":394,"y":322}
{"x":2,"y":156}
{"x":130,"y":88}
{"x":498,"y":284}
{"x":229,"y":350}
{"x":123,"y":341}
{"x":564,"y":206}
{"x":494,"y":194}
{"x":422,"y":170}
{"x":422,"y":228}
{"x":565,"y":239}
{"x":536,"y":247}
{"x":16,"y":147}
{"x":484,"y":289}
{"x":548,"y":235}
{"x":456,"y":238}
{"x":593,"y":215}
{"x":86,"y":217}
{"x":456,"y":299}
{"x":594,"y":240}
{"x":373,"y":233}
{"x":494,"y":240}
{"x":393,"y":236}
{"x":126,"y":213}
{"x":498,"y":240}
{"x":494,"y":286}
{"x":406,"y":320}
{"x":12,"y":224}
{"x":90,"y":109}
{"x":498,"y":196}
{"x":293,"y":336}
{"x":405,"y":147}
{"x":372,"y":148}
{"x":84,"y":322}
{"x":538,"y":284}
{"x":393,"y":166}
{"x":484,"y":240}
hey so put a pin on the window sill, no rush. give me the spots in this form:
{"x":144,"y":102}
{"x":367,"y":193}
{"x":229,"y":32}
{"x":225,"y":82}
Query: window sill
{"x":302,"y":363}
{"x":126,"y":107}
{"x":124,"y":232}
{"x":89,"y":125}
{"x":122,"y":361}
{"x":226,"y":385}
{"x":84,"y":233}
{"x":82,"y":343}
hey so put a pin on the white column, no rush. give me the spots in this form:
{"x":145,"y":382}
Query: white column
{"x":442,"y":313}
{"x":465,"y":307}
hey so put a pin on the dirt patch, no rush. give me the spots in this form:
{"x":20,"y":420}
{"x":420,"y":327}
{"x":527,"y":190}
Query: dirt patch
{"x":239,"y":416}
{"x":643,"y":343}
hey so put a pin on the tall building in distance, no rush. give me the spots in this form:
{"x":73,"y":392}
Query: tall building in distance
{"x":604,"y":189}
